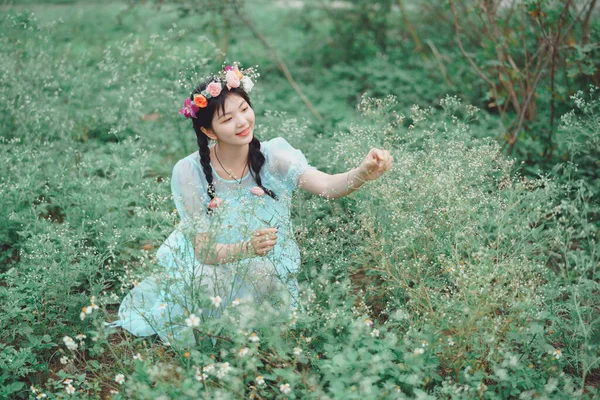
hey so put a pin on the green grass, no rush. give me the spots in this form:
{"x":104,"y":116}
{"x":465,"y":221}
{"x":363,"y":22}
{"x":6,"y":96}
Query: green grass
{"x":453,"y":276}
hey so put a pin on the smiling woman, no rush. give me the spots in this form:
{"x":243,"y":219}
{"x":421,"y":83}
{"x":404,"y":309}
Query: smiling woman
{"x":235,"y":242}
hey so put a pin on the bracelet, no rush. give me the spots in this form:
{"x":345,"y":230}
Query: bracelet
{"x":246,"y":248}
{"x":347,"y":175}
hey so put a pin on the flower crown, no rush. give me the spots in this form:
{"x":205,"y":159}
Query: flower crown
{"x":230,"y":77}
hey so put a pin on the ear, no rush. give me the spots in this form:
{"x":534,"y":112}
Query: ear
{"x":209,"y":133}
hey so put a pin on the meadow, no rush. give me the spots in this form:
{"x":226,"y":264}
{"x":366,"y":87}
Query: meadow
{"x":470,"y":270}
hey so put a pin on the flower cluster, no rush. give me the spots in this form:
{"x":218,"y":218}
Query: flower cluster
{"x":70,"y":343}
{"x":230,"y":78}
{"x":68,"y":387}
{"x":88,"y":309}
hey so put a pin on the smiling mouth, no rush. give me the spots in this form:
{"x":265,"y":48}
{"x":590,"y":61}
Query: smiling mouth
{"x":244,"y":132}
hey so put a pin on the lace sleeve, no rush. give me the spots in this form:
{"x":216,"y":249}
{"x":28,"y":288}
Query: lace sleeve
{"x":189,"y":193}
{"x":289,"y":163}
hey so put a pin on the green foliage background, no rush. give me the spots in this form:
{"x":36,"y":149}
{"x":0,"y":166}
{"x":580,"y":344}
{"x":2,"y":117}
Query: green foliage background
{"x":462,"y":273}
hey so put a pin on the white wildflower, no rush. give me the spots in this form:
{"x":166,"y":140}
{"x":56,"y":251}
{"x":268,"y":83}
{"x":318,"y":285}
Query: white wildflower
{"x":200,"y":376}
{"x":285,"y":388}
{"x":375,"y":333}
{"x":243,"y":351}
{"x":193,"y":321}
{"x":224,"y":368}
{"x":209,"y":368}
{"x":216,"y":301}
{"x":557,"y":354}
{"x":70,"y":343}
{"x":120,"y":379}
{"x":254,"y":337}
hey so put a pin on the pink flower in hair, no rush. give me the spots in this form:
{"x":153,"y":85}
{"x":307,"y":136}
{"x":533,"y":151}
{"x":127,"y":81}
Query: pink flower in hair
{"x":232,"y":79}
{"x":215,"y":202}
{"x":257,"y":190}
{"x":189,"y":109}
{"x":214,"y":89}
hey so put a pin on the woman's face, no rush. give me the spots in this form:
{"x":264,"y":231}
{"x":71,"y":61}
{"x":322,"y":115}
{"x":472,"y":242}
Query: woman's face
{"x":236,"y":125}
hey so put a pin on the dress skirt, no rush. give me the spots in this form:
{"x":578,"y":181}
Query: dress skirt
{"x":160,"y":303}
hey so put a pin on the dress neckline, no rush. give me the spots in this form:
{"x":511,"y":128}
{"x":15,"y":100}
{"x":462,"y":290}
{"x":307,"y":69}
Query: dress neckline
{"x":219,"y":177}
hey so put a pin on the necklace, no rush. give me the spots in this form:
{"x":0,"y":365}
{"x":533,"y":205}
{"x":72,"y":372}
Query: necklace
{"x":224,"y":169}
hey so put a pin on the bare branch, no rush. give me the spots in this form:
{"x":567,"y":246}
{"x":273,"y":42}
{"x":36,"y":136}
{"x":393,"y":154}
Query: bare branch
{"x":410,"y":27}
{"x":438,"y":57}
{"x":586,"y":24}
{"x":280,"y":62}
{"x":469,"y":58}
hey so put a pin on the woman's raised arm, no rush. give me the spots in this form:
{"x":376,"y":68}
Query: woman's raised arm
{"x":375,"y":164}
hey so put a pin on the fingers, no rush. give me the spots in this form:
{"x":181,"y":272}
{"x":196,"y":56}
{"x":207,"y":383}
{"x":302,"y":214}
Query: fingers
{"x":264,"y":231}
{"x":263,"y":240}
{"x":389,"y":162}
{"x":378,"y":154}
{"x":379,"y":157}
{"x":264,"y":248}
{"x":377,"y":162}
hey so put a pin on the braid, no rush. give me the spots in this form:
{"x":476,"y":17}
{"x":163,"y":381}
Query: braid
{"x":204,"y":152}
{"x":256,"y":159}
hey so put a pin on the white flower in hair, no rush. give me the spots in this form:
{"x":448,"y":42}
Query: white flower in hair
{"x":247,"y":84}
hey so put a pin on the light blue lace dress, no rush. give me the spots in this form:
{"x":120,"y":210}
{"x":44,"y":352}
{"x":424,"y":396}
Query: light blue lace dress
{"x":161,"y":303}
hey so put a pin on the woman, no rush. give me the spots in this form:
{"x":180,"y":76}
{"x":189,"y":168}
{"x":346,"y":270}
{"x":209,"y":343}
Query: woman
{"x":235,"y":242}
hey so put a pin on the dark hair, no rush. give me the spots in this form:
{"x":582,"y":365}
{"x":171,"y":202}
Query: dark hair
{"x":203,"y":119}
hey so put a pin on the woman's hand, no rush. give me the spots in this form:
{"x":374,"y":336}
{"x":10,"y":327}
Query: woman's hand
{"x":375,"y":164}
{"x":263,"y":241}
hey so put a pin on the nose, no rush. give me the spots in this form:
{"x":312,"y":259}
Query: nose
{"x":241,"y":121}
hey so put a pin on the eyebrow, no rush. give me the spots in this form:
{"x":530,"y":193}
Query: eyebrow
{"x":241,"y":104}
